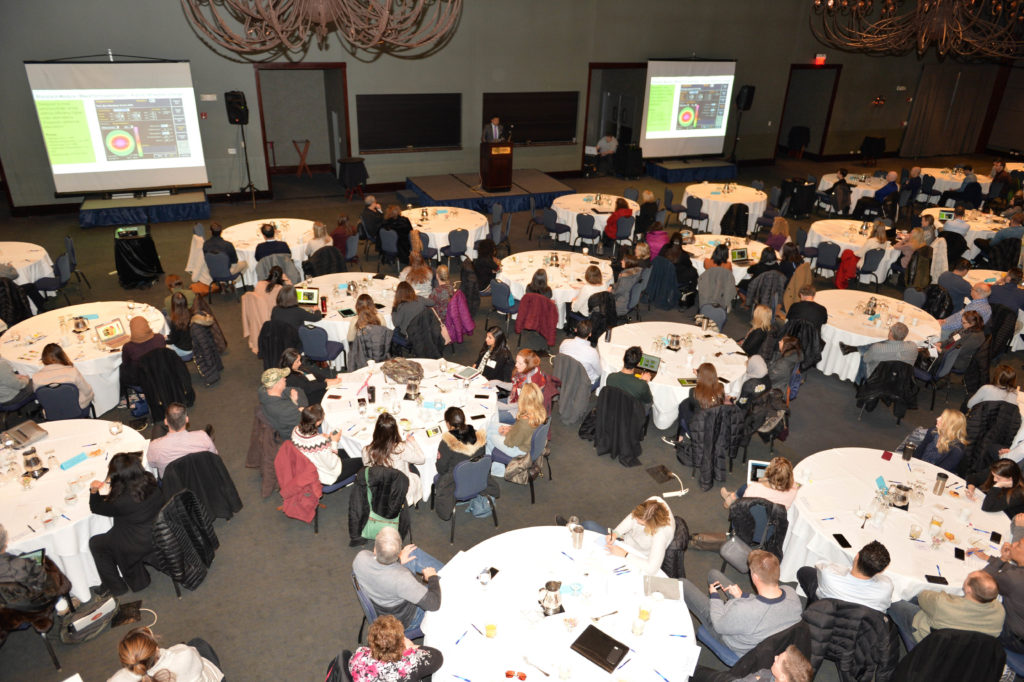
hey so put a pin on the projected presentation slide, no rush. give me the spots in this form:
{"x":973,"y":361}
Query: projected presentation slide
{"x":696,"y":106}
{"x":128,"y":136}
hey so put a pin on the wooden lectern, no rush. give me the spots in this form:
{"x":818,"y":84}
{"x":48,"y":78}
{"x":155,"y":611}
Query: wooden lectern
{"x":496,"y":166}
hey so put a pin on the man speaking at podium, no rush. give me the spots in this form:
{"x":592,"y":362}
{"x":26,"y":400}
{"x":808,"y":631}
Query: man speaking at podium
{"x":493,"y":131}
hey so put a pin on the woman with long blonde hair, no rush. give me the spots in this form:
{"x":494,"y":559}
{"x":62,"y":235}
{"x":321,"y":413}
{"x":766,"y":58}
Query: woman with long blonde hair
{"x":944,"y":444}
{"x":777,"y":485}
{"x":144,"y":661}
{"x":320,"y":239}
{"x":419,"y":275}
{"x":708,"y":393}
{"x":642,"y":537}
{"x":779,"y":234}
{"x":504,"y":441}
{"x":761,"y":326}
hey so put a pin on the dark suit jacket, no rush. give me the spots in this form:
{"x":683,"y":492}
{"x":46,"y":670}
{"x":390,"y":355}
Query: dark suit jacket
{"x":272,"y":247}
{"x":812,"y":311}
{"x":221,"y":245}
{"x":488,"y":133}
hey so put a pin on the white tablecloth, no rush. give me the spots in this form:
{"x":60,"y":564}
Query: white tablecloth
{"x":845,"y":234}
{"x":838,"y":482}
{"x":247,"y":236}
{"x":66,"y":540}
{"x":30,"y":260}
{"x":716,"y":203}
{"x":858,"y":188}
{"x":704,"y":245}
{"x":101,"y":368}
{"x":526,"y":559}
{"x":335,"y":288}
{"x":517,"y":271}
{"x":568,"y":206}
{"x":1010,"y":167}
{"x":853,"y":328}
{"x":946,"y":179}
{"x":439,"y":392}
{"x":440,"y":221}
{"x":675,"y":365}
{"x":981,"y":226}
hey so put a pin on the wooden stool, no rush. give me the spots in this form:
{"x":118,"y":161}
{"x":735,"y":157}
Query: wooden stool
{"x":302,"y":157}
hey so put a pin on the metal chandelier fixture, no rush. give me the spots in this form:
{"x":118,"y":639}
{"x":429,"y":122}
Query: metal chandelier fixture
{"x":251,"y":26}
{"x":979,"y":29}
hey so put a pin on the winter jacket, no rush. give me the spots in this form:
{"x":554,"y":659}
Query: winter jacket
{"x":991,"y":426}
{"x":205,"y":354}
{"x":743,"y":523}
{"x":620,"y":427}
{"x":470,"y":287}
{"x":937,"y":302}
{"x":717,"y":287}
{"x":602,"y":314}
{"x":458,"y":321}
{"x":767,"y":289}
{"x":809,"y":336}
{"x":388,"y":488}
{"x":451,"y":452}
{"x":284,"y":261}
{"x":861,"y":641}
{"x":326,"y":260}
{"x":206,"y":476}
{"x":847,"y":269}
{"x":538,"y":313}
{"x":164,"y":379}
{"x":14,"y":305}
{"x":300,"y":483}
{"x":263,"y":444}
{"x":574,"y":403}
{"x":919,"y":269}
{"x":184,"y":539}
{"x":948,"y":654}
{"x":801,"y":278}
{"x":716,"y":435}
{"x":424,"y":335}
{"x":1001,"y":327}
{"x":275,"y":337}
{"x":662,"y":287}
{"x":623,"y":287}
{"x":893,"y":383}
{"x":977,"y":372}
{"x":372,"y":342}
{"x":675,"y":553}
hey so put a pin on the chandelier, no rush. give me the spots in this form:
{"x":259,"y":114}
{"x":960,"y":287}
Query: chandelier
{"x":985,"y":29}
{"x":250,"y":26}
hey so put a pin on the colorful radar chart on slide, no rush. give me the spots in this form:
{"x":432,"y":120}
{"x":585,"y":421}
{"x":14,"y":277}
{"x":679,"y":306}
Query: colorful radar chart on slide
{"x":142,"y":128}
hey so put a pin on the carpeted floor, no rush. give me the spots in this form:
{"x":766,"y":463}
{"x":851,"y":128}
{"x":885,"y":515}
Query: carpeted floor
{"x":278,"y":602}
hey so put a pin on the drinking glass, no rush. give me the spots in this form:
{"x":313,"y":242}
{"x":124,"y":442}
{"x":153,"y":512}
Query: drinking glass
{"x":915,"y":531}
{"x":131,"y":304}
{"x":116,"y":428}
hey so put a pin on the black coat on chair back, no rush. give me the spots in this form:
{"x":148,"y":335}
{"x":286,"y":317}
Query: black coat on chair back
{"x":387,"y":488}
{"x":326,"y":260}
{"x":892,"y":382}
{"x":991,"y":426}
{"x":862,"y":642}
{"x":949,"y":655}
{"x":275,"y":337}
{"x":205,"y":354}
{"x":206,"y":476}
{"x":185,"y":540}
{"x":620,"y":426}
{"x":716,"y":435}
{"x":165,"y":380}
{"x":809,"y":336}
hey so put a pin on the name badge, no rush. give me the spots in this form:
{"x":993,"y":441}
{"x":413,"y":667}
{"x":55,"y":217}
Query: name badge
{"x":310,"y":377}
{"x":492,"y":364}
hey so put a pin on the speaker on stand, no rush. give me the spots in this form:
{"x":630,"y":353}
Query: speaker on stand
{"x":238,"y":114}
{"x":744,"y":99}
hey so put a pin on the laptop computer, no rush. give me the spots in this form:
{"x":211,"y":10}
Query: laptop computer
{"x":112,"y":333}
{"x":36,"y":555}
{"x":649,"y":363}
{"x":600,"y":649}
{"x":307,"y":295}
{"x":24,"y":434}
{"x":756,"y":470}
{"x":739,"y":256}
{"x":945,"y":214}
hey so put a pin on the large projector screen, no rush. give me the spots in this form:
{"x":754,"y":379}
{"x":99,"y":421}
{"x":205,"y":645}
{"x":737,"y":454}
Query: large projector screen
{"x":111,"y":126}
{"x":686,"y":107}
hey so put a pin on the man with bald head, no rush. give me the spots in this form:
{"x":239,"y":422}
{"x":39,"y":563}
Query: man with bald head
{"x":1008,"y":571}
{"x":979,"y":303}
{"x":390,"y":578}
{"x":875,"y":201}
{"x":978,"y":610}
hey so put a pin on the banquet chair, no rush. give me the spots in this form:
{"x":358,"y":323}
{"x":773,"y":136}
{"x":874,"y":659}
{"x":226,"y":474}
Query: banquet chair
{"x":892,"y":383}
{"x":206,"y":476}
{"x":631,"y":193}
{"x":352,"y":248}
{"x":1015,"y":662}
{"x":370,"y":613}
{"x":585,"y":230}
{"x":471,"y":480}
{"x":504,"y":236}
{"x":428,"y":252}
{"x":184,"y":541}
{"x":623,"y":232}
{"x":17,"y":615}
{"x":672,"y":207}
{"x":327,"y":489}
{"x":275,"y":337}
{"x":694,"y":212}
{"x":500,"y":297}
{"x":827,"y":258}
{"x":534,"y":218}
{"x":457,"y":245}
{"x":914,"y":297}
{"x":758,"y":524}
{"x":317,"y":347}
{"x":69,"y":248}
{"x":869,"y":265}
{"x":60,"y":401}
{"x":497,"y":210}
{"x":928,"y":190}
{"x":735,"y":220}
{"x":718,"y":647}
{"x":553,"y":229}
{"x":767,"y":218}
{"x":949,"y":655}
{"x":537,"y":313}
{"x":15,"y":406}
{"x":801,"y":244}
{"x":219,"y":265}
{"x":538,"y":449}
{"x":938,"y":373}
{"x":58,"y":283}
{"x":834,"y":624}
{"x":715,"y":314}
{"x":388,"y":249}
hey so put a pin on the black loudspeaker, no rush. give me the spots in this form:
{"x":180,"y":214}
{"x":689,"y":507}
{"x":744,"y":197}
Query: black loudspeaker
{"x":745,"y":97}
{"x":238,"y":112}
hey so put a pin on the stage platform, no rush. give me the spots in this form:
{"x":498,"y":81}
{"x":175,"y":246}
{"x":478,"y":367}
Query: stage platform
{"x":143,"y":210}
{"x":695,"y":170}
{"x":462,"y":190}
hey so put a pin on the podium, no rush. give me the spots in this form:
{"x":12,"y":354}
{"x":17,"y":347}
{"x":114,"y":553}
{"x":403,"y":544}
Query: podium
{"x":496,"y":166}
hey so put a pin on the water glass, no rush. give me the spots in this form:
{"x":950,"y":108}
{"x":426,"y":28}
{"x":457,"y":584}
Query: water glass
{"x":915,"y":531}
{"x":443,"y":366}
{"x":131,"y":304}
{"x":116,"y":428}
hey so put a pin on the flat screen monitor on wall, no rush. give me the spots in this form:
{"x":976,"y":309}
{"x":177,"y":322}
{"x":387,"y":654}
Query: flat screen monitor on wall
{"x":389,"y":123}
{"x":686,"y":107}
{"x":118,"y":126}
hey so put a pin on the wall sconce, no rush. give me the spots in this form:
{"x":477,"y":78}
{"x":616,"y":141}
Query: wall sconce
{"x":878,"y":101}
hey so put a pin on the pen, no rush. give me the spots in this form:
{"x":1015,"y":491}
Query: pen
{"x":477,"y":629}
{"x":623,"y":665}
{"x":908,"y":468}
{"x":88,"y":445}
{"x":660,"y":675}
{"x":31,"y":528}
{"x":65,"y":516}
{"x":829,"y":518}
{"x":678,"y":635}
{"x":460,"y":638}
{"x":570,"y":558}
{"x":938,"y":571}
{"x":461,"y":677}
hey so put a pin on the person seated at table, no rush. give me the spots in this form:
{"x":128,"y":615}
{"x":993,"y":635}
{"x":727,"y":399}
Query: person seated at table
{"x":708,"y":393}
{"x":179,"y":325}
{"x":895,"y":348}
{"x":419,"y":275}
{"x":754,"y":381}
{"x":719,"y":258}
{"x":441,"y":294}
{"x":387,"y":576}
{"x":768,"y":262}
{"x":958,"y":193}
{"x":391,"y":656}
{"x":656,"y":238}
{"x":968,"y":340}
{"x":784,"y":360}
{"x":288,"y":310}
{"x":37,"y":586}
{"x":309,"y":377}
{"x":808,"y":309}
{"x":978,"y":610}
{"x":515,"y":439}
{"x":762,"y":327}
{"x":143,"y":660}
{"x":372,"y":218}
{"x":332,"y":463}
{"x":779,"y":234}
{"x":611,"y":226}
{"x":141,"y":340}
{"x":978,"y":302}
{"x":580,"y":349}
{"x":178,"y":441}
{"x":368,"y":323}
{"x":642,"y":254}
{"x":174,"y":286}
{"x":958,"y":224}
{"x":913,"y":241}
{"x":862,"y":583}
{"x":913,"y":183}
{"x":1003,"y":386}
{"x":648,"y":214}
{"x":58,"y":369}
{"x":282,"y":406}
{"x":675,"y":238}
{"x":394,"y":220}
{"x":593,"y":283}
{"x":526,"y":371}
{"x":271,"y":244}
{"x":1007,"y":292}
{"x":460,"y":443}
{"x":1008,"y":571}
{"x":642,"y":537}
{"x":405,"y":307}
{"x":628,"y":379}
{"x":789,"y":666}
{"x":790,"y":260}
{"x":319,"y":240}
{"x":486,"y":265}
{"x":953,"y":282}
{"x":944,"y":444}
{"x":875,"y":201}
{"x":686,"y":274}
{"x":1016,"y":206}
{"x":840,"y":180}
{"x":629,"y":275}
{"x":217,"y":244}
{"x":132,"y":499}
{"x":539,"y":284}
{"x":387,"y":449}
{"x":339,"y":237}
{"x":779,"y":487}
{"x":746,"y":619}
{"x":495,"y":360}
{"x":877,"y":239}
{"x":1002,"y":486}
{"x":928,"y":228}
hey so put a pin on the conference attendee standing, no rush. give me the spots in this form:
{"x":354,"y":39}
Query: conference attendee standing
{"x":493,"y":131}
{"x":606,"y":148}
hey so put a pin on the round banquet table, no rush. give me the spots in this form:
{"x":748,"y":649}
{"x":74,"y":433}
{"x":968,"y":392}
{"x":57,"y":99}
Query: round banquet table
{"x":101,"y":368}
{"x":441,"y":221}
{"x":339,"y":297}
{"x":836,"y":483}
{"x":859,"y":188}
{"x":980,"y":226}
{"x":66,"y":538}
{"x":526,"y":559}
{"x":439,"y":391}
{"x":568,"y":206}
{"x":716,"y":203}
{"x":704,"y":245}
{"x":990,"y":277}
{"x":666,"y":390}
{"x":1011,"y":167}
{"x":30,"y":260}
{"x":517,"y":272}
{"x":246,"y":237}
{"x":946,"y":179}
{"x":852,"y":328}
{"x":845,"y":234}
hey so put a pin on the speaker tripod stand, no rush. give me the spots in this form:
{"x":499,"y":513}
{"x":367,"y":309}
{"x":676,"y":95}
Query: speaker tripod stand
{"x":250,"y":188}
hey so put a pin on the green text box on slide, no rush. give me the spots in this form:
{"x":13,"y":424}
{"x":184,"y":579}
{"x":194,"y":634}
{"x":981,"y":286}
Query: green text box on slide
{"x":659,"y":108}
{"x":65,"y":131}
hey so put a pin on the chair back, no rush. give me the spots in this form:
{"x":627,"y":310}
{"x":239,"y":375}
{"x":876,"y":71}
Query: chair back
{"x":507,"y":230}
{"x":369,"y":610}
{"x":631,"y":193}
{"x":775,"y":195}
{"x":548,"y":218}
{"x":500,"y":294}
{"x":533,"y":207}
{"x":714,"y":313}
{"x":828,"y":255}
{"x":496,"y":212}
{"x":352,"y":247}
{"x":314,"y":340}
{"x":457,"y":240}
{"x":801,"y":238}
{"x":693,"y":206}
{"x":59,"y":401}
{"x":661,"y":216}
{"x":946,"y":362}
{"x":539,"y":440}
{"x":62,"y":269}
{"x":637,"y":290}
{"x":758,"y":185}
{"x":927,"y":183}
{"x":872,"y":259}
{"x":972,"y":195}
{"x":735,"y":220}
{"x":388,"y":242}
{"x":669,"y":198}
{"x":471,"y":478}
{"x":624,"y":227}
{"x":219,"y":265}
{"x":69,"y":248}
{"x":914,"y":296}
{"x":585,"y":226}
